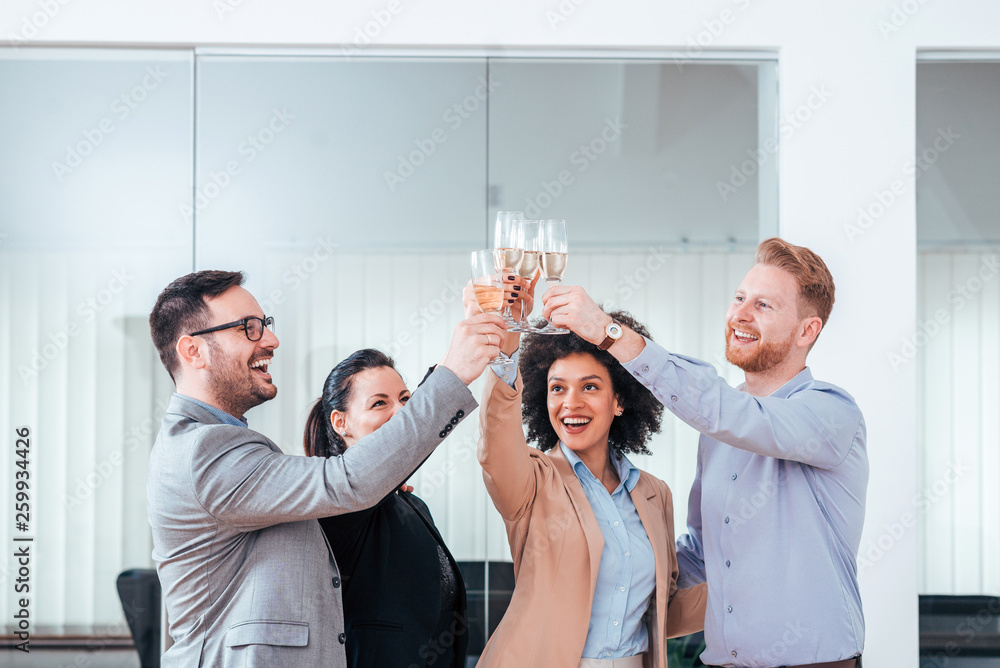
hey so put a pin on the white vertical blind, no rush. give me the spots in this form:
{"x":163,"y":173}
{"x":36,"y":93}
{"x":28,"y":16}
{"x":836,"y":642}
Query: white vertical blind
{"x":956,"y":348}
{"x":88,"y":202}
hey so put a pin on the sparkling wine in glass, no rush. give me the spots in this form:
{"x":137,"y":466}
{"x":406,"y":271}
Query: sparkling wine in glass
{"x":487,"y":272}
{"x":532,"y":245}
{"x":508,"y":239}
{"x":554,"y":257}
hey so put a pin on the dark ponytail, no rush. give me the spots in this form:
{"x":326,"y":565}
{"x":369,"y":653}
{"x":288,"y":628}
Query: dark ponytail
{"x":320,"y":439}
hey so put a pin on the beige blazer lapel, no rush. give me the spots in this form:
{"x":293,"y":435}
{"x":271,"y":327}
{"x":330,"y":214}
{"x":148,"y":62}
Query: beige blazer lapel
{"x":651,"y":515}
{"x":592,"y":530}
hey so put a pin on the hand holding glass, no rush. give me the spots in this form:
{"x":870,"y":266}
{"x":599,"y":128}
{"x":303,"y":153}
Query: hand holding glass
{"x":554,"y":258}
{"x":508,"y":238}
{"x":487,"y":268}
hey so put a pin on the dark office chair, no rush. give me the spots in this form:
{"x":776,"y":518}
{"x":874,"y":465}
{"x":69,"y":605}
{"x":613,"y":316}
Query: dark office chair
{"x":139,"y":591}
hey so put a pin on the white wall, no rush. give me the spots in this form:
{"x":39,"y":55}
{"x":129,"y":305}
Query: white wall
{"x":851,"y":148}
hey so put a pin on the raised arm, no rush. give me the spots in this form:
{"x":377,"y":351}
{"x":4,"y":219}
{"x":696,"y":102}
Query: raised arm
{"x":507,"y":467}
{"x":816,"y":423}
{"x":250,"y":486}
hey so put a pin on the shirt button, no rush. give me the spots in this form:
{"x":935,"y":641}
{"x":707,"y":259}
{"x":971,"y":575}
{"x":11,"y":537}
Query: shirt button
{"x":615,"y":623}
{"x":342,"y":638}
{"x":628,"y":554}
{"x":645,"y":368}
{"x":336,"y":582}
{"x":727,"y":519}
{"x":673,"y":397}
{"x":621,"y":589}
{"x":730,"y":608}
{"x":734,"y":476}
{"x":727,"y":563}
{"x":615,"y":524}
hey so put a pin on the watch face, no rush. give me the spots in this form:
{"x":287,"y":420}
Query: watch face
{"x":614,"y":330}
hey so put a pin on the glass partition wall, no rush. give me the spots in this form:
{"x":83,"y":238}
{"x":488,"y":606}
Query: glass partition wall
{"x":350,"y":191}
{"x":954,"y":344}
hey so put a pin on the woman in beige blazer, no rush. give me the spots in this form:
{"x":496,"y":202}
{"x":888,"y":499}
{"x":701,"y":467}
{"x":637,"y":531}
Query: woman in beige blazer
{"x":577,"y":594}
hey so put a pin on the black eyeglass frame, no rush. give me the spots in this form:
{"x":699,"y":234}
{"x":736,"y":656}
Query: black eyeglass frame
{"x":267,"y":321}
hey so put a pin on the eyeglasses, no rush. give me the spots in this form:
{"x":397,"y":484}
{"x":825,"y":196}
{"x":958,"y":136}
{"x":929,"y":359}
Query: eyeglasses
{"x":252,"y":326}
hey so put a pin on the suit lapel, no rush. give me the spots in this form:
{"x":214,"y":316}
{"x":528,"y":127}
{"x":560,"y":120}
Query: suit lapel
{"x":651,"y":515}
{"x":591,"y":529}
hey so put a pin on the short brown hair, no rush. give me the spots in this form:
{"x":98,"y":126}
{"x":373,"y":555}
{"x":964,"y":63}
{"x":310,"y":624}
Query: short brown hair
{"x":181,"y":309}
{"x":816,"y":289}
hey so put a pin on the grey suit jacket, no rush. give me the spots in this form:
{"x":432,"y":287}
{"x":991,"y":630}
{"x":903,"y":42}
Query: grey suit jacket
{"x":247,"y":574}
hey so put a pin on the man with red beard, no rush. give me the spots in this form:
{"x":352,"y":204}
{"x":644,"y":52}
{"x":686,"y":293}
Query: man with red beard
{"x":248,"y":577}
{"x":778,"y":502}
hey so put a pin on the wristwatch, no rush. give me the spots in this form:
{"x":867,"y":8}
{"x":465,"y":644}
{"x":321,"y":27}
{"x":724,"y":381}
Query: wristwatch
{"x":612,"y":332}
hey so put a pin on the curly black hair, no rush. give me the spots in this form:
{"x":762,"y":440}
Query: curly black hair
{"x":642,"y":412}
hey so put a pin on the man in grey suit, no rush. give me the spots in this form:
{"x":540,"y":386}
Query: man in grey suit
{"x":247,"y":574}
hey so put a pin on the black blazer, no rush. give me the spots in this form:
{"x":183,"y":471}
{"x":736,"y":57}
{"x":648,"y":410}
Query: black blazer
{"x":389,"y":562}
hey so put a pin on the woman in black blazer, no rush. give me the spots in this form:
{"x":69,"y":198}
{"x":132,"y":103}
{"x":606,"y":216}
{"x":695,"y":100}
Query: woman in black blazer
{"x":404,"y":598}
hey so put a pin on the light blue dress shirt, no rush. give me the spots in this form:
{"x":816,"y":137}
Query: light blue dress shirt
{"x":775,"y":513}
{"x":626,"y":576}
{"x":217,"y":412}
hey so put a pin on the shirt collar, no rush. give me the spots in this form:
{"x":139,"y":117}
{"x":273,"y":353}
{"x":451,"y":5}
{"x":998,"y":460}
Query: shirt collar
{"x":223,"y":416}
{"x":628,"y":474}
{"x":802,"y":377}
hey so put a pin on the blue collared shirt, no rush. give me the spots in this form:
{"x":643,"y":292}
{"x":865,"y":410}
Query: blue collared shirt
{"x":626,"y":576}
{"x":775,"y":513}
{"x":225,"y":417}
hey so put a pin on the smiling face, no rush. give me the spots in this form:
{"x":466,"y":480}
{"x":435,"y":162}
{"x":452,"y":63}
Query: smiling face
{"x":581,"y":402}
{"x":238,"y":376}
{"x":376,"y":395}
{"x":763,"y":324}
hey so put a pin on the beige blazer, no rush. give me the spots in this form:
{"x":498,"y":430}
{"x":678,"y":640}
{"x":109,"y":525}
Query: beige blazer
{"x":556,"y":544}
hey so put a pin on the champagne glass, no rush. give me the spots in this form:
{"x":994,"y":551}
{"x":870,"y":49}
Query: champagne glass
{"x":553,"y":259}
{"x":508,"y":239}
{"x":487,"y":268}
{"x":532,"y":245}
